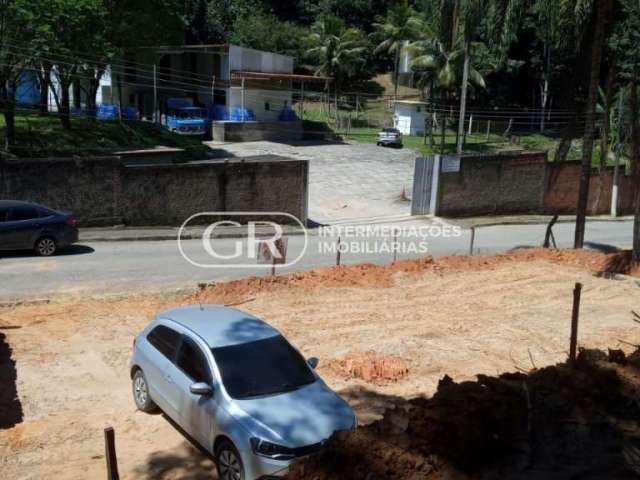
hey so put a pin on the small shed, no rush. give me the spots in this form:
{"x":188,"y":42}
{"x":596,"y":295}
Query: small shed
{"x":409,"y":116}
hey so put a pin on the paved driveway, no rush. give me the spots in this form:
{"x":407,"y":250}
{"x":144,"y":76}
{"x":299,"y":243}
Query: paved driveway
{"x":347,"y":182}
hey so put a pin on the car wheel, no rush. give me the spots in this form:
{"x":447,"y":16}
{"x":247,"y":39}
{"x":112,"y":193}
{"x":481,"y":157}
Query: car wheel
{"x":141,"y":395}
{"x":228,"y":462}
{"x":46,"y":246}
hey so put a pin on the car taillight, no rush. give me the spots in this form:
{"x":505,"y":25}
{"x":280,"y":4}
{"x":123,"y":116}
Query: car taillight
{"x":71,"y":221}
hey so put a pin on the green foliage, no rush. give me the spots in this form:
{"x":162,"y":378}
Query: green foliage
{"x":43,"y":137}
{"x":264,"y":31}
{"x":336,"y":50}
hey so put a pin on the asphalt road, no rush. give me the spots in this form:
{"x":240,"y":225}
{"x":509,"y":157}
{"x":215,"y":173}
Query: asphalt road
{"x":120,"y":267}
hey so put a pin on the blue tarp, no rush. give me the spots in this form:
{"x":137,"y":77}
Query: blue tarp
{"x":27,"y":89}
{"x":130,"y":113}
{"x":288,"y":115}
{"x":236,"y":114}
{"x":107,"y":112}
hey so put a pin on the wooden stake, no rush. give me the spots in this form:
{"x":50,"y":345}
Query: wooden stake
{"x":549,"y":235}
{"x":573,"y":345}
{"x":338,"y":254}
{"x":395,"y":246}
{"x":110,"y":452}
{"x":473,"y":239}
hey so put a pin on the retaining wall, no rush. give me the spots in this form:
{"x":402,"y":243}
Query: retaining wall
{"x":106,"y":191}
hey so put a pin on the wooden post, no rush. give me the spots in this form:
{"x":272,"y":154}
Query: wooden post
{"x":549,"y":235}
{"x":473,"y":239}
{"x":110,"y":453}
{"x":302,"y":100}
{"x":470,"y":124}
{"x":273,"y":266}
{"x":338,"y":255}
{"x":573,"y":345}
{"x":488,"y":129}
{"x":395,"y":246}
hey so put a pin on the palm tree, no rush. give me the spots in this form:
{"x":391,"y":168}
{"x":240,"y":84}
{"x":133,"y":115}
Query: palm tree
{"x":401,"y":25}
{"x":440,"y":69}
{"x":502,"y":18}
{"x":335,"y":50}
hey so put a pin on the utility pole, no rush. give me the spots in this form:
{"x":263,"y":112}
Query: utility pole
{"x":616,"y":165}
{"x":242,"y":97}
{"x":155,"y":95}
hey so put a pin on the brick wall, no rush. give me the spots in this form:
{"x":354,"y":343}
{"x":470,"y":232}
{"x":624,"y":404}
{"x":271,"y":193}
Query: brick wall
{"x":104,"y":191}
{"x":562,"y":184}
{"x":493,"y":185}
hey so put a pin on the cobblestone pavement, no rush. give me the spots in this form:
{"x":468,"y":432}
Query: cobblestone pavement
{"x":354,"y":182}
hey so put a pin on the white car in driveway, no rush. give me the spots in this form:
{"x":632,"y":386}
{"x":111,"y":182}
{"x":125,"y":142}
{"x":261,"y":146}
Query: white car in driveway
{"x":389,"y":137}
{"x":237,"y":387}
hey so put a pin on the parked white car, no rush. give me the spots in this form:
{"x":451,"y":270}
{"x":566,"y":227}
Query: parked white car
{"x":389,"y":137}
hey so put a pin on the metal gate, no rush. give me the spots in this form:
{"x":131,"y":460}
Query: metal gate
{"x":425,"y":185}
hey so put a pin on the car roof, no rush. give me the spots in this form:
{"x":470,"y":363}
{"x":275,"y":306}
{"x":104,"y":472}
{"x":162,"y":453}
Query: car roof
{"x":17,"y":203}
{"x":220,"y":326}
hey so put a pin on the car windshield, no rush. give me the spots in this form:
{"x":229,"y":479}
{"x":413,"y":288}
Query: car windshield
{"x":187,"y":113}
{"x":263,"y":367}
{"x":389,"y":130}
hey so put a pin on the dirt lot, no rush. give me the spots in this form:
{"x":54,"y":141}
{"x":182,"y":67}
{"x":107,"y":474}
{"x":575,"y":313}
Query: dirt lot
{"x":455,"y":316}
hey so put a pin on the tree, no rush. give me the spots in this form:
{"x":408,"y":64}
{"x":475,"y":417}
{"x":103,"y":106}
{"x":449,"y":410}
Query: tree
{"x":336,"y":50}
{"x":600,"y":18}
{"x":626,"y":45}
{"x":502,"y":19}
{"x":15,"y":28}
{"x":401,"y":25}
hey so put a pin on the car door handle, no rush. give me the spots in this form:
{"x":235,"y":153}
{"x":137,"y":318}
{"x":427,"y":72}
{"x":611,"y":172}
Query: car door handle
{"x":168,"y":378}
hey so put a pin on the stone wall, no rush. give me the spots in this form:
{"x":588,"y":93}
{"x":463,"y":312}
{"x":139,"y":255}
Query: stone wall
{"x":105,"y":191}
{"x":256,"y":131}
{"x":493,"y":185}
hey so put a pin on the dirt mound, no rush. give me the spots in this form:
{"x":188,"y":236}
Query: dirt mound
{"x":382,"y":276}
{"x":557,"y":422}
{"x":373,"y":366}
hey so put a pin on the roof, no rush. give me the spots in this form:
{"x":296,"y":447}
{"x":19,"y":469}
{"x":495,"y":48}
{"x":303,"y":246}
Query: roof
{"x":16,"y":203}
{"x":412,"y":102}
{"x":220,"y":326}
{"x":278,"y":76}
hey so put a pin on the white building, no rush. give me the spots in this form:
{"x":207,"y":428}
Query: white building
{"x":409,"y":117}
{"x":224,"y":79}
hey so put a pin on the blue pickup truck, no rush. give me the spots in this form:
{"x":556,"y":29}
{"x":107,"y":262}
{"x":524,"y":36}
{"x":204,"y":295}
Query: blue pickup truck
{"x":183,"y":117}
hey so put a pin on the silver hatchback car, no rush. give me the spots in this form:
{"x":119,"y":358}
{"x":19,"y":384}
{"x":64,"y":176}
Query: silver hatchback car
{"x":237,"y":387}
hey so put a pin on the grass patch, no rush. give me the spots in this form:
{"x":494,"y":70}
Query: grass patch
{"x":43,"y":136}
{"x":373,"y":114}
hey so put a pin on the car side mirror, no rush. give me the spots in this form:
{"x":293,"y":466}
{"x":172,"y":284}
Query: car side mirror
{"x":313,"y":362}
{"x":201,"y":388}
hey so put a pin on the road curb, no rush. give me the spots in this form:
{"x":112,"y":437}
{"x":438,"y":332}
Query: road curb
{"x":466,"y":223}
{"x":188,"y":236}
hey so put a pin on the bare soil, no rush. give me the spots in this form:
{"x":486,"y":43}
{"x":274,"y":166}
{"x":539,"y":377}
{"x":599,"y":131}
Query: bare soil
{"x":456,"y":316}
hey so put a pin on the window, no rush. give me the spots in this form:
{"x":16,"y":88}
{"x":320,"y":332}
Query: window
{"x":23,"y":213}
{"x":418,"y":109}
{"x":165,"y":340}
{"x":192,"y":362}
{"x":267,"y":106}
{"x":262,"y":367}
